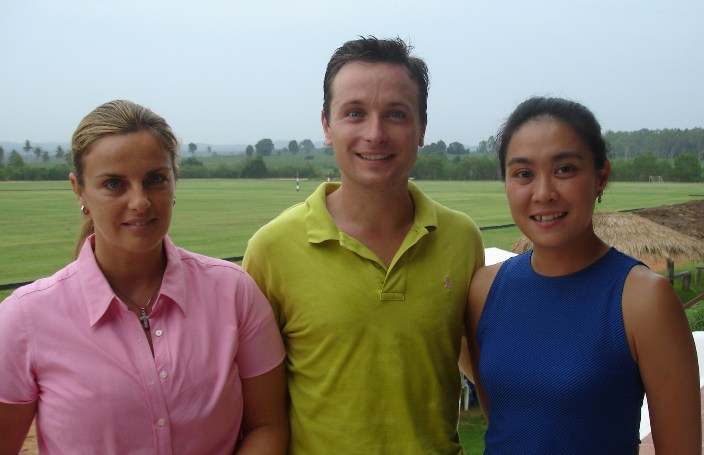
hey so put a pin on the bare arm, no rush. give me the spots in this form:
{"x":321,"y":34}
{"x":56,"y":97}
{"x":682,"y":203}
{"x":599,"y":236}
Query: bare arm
{"x":478,"y":290}
{"x":265,"y":420}
{"x":661,"y":342}
{"x":465,"y":363}
{"x":15,"y":420}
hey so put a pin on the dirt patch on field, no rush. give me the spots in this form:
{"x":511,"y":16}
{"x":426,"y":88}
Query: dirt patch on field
{"x":686,"y":218}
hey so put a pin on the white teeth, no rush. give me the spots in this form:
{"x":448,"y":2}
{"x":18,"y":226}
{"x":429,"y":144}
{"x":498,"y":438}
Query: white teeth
{"x":375,"y":157}
{"x":139,"y":223}
{"x":548,"y":217}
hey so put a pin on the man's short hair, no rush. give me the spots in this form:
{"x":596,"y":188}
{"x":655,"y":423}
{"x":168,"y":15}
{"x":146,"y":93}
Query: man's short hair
{"x":374,"y":50}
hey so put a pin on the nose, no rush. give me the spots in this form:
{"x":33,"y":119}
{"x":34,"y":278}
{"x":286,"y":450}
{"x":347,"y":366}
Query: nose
{"x":545,"y":190}
{"x":139,"y":200}
{"x":375,"y":131}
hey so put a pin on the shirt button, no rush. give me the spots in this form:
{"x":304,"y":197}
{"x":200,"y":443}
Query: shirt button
{"x":161,"y":422}
{"x":163,"y":374}
{"x":158,"y":333}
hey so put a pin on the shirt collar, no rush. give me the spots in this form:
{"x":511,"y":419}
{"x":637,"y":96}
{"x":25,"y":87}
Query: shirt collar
{"x":426,"y":215}
{"x":321,"y":227}
{"x":98,"y":295}
{"x":319,"y":223}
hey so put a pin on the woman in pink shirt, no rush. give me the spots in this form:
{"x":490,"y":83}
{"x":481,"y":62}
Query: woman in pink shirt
{"x":139,"y":346}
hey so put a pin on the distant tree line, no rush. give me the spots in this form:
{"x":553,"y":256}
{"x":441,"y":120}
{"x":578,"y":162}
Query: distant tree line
{"x":254,"y":167}
{"x":665,"y":144}
{"x":265,"y":147}
{"x":13,"y":166}
{"x":672,"y":154}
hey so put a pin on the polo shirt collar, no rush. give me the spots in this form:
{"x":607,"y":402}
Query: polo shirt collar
{"x":321,"y":227}
{"x":426,"y":215}
{"x":319,"y":224}
{"x":98,"y":295}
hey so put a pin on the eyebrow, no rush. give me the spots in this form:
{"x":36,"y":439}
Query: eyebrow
{"x":153,"y":171}
{"x":362,"y":103}
{"x":559,"y":157}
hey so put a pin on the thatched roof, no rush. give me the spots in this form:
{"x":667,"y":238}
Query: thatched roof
{"x":638,"y":237}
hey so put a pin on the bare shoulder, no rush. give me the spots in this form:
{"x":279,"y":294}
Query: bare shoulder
{"x":480,"y":285}
{"x":647,"y":291}
{"x":652,"y":310}
{"x":483,"y":278}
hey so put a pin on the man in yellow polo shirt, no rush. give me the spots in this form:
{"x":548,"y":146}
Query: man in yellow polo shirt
{"x":368,"y":277}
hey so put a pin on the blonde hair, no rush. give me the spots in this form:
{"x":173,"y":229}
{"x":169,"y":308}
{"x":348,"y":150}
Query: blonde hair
{"x":115,"y":117}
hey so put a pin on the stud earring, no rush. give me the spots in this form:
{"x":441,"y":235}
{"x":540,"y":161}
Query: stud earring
{"x":85,"y":210}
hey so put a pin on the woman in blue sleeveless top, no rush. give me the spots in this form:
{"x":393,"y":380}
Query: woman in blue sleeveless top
{"x":567,"y":338}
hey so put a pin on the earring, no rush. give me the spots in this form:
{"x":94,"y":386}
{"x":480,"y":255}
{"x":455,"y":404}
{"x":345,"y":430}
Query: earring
{"x":174,"y":200}
{"x":598,"y":198}
{"x":85,"y":210}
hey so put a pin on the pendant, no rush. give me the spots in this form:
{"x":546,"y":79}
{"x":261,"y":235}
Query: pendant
{"x":144,"y":319}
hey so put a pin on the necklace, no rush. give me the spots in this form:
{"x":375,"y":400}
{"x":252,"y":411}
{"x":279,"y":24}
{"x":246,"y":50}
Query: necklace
{"x":144,"y":316}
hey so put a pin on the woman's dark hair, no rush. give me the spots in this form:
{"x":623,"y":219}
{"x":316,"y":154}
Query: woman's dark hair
{"x":577,"y":116}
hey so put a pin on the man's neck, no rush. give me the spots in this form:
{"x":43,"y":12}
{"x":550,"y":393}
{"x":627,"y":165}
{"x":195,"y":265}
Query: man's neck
{"x":379,"y":220}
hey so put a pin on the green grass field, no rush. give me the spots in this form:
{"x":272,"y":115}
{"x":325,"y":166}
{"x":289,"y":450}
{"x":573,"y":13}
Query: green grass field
{"x":216,"y":217}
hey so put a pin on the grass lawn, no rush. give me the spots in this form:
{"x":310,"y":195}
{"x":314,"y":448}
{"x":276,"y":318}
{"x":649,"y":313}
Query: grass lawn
{"x":471,"y":429}
{"x":216,"y":217}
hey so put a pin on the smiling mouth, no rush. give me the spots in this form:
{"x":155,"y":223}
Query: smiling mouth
{"x":139,"y":223}
{"x":374,"y":157}
{"x":553,"y":217}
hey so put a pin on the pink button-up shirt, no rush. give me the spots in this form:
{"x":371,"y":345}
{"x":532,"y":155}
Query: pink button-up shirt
{"x":68,"y":342}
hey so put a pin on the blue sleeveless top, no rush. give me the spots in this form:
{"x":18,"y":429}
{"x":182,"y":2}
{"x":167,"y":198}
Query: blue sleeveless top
{"x":555,"y":361}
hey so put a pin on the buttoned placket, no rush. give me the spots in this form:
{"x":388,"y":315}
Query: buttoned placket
{"x":154,"y":374}
{"x":395,"y":277}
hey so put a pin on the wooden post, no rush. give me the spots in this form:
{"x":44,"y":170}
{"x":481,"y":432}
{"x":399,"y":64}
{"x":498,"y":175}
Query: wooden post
{"x":671,"y":270}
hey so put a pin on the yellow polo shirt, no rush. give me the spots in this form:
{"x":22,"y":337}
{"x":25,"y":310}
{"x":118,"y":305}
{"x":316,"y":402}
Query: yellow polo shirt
{"x":371,"y":351}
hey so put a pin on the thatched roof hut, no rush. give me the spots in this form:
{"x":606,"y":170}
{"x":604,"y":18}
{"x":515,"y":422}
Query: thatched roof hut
{"x":639,"y":237}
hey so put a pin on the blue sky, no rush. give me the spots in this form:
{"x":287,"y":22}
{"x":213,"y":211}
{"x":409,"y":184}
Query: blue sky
{"x":234,"y":72}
